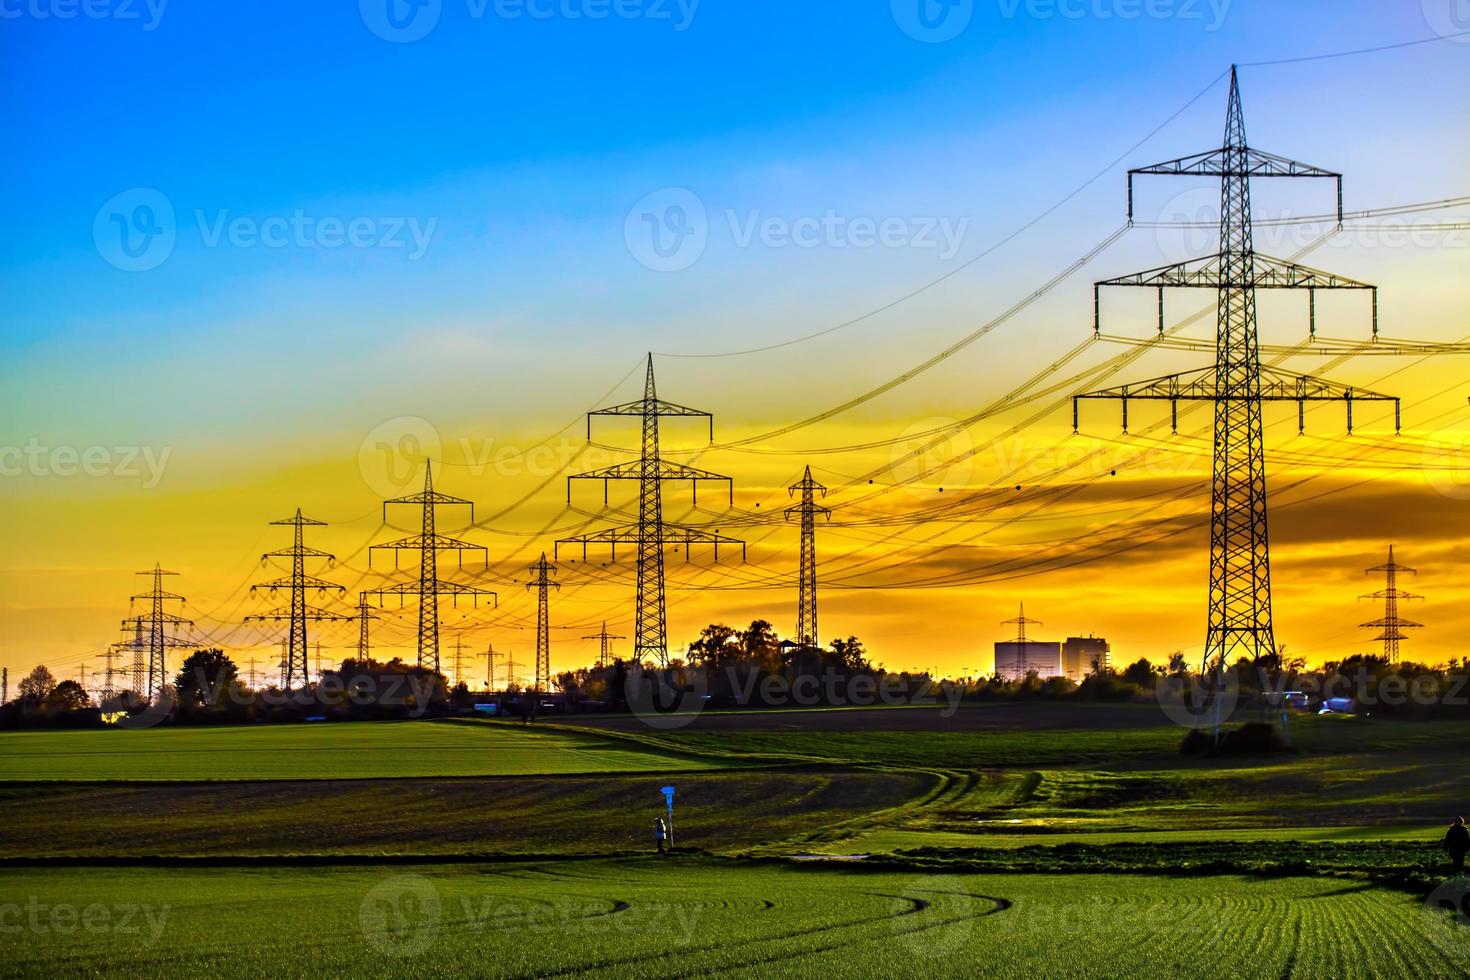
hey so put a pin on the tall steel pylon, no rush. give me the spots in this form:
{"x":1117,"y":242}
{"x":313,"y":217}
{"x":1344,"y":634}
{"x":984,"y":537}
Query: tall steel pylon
{"x":138,"y":684}
{"x":1239,"y":620}
{"x":604,"y":639}
{"x":652,"y":534}
{"x":298,"y":612}
{"x":157,"y":623}
{"x":429,"y":587}
{"x":542,"y":569}
{"x":365,"y":616}
{"x":806,"y":593}
{"x":1392,"y":625}
{"x":1020,"y":623}
{"x":489,"y":656}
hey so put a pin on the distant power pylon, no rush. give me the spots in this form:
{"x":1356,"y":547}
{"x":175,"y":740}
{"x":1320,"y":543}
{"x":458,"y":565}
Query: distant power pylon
{"x":1020,"y":623}
{"x":139,"y":648}
{"x":489,"y":656}
{"x":110,"y":673}
{"x":458,"y":656}
{"x":651,"y":534}
{"x":429,"y":587}
{"x":158,"y":622}
{"x":297,"y":584}
{"x":365,"y":616}
{"x":1392,"y":624}
{"x":806,"y":601}
{"x":604,"y":644}
{"x":1240,"y":561}
{"x":542,"y":569}
{"x":510,"y":668}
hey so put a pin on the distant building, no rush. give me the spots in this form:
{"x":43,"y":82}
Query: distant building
{"x":1014,"y":659}
{"x":1079,"y":653}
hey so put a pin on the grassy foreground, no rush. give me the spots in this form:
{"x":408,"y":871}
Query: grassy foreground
{"x":681,"y":916}
{"x":359,"y":750}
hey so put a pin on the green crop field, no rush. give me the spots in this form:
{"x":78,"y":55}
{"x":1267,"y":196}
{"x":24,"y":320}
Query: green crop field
{"x":358,"y":750}
{"x":681,"y":916}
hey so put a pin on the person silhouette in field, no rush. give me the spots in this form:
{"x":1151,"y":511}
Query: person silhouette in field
{"x":1457,"y":842}
{"x":660,"y":835}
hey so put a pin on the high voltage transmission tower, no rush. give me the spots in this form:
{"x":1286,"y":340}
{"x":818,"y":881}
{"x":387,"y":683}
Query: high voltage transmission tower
{"x":489,"y":656}
{"x":139,"y":650}
{"x":110,"y":672}
{"x":364,"y":617}
{"x":458,"y":656}
{"x":1392,"y":624}
{"x":651,"y":533}
{"x":429,"y":587}
{"x":158,"y":622}
{"x":806,"y":601}
{"x":542,"y":569}
{"x":604,"y":645}
{"x":510,"y":668}
{"x":1020,"y":623}
{"x":1239,"y":620}
{"x":298,"y":583}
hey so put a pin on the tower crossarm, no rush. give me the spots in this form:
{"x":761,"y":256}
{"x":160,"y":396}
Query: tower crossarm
{"x":283,"y":615}
{"x":438,"y":542}
{"x":305,"y":581}
{"x":162,"y":617}
{"x":1209,"y":272}
{"x":650,"y":406}
{"x":1234,"y":162}
{"x":672,"y":534}
{"x":438,"y":587}
{"x":1203,"y":386}
{"x":661,"y":469}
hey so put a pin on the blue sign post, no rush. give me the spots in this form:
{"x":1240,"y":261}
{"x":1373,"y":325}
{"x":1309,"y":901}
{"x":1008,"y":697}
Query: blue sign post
{"x":668,"y":792}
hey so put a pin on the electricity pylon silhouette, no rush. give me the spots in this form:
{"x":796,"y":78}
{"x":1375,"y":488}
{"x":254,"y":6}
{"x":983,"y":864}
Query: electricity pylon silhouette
{"x":510,"y":668}
{"x":158,"y":640}
{"x":806,"y":593}
{"x":298,"y":613}
{"x":1392,"y":624}
{"x":429,"y":587}
{"x":459,"y":657}
{"x":605,"y":646}
{"x":542,"y":569}
{"x":1020,"y":623}
{"x":365,"y":616}
{"x":651,"y":533}
{"x":1239,"y":620}
{"x":489,"y":657}
{"x":110,"y":672}
{"x":139,"y":648}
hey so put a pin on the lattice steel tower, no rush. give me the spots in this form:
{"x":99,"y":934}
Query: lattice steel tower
{"x":429,"y":587}
{"x":298,"y":613}
{"x":542,"y":569}
{"x":604,"y":639}
{"x":806,"y":593}
{"x":157,"y":622}
{"x":1239,"y":621}
{"x":652,"y":533}
{"x":1392,"y":625}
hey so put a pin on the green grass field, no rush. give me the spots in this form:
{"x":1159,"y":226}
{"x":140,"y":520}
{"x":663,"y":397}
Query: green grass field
{"x":358,"y":750}
{"x":679,"y":917}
